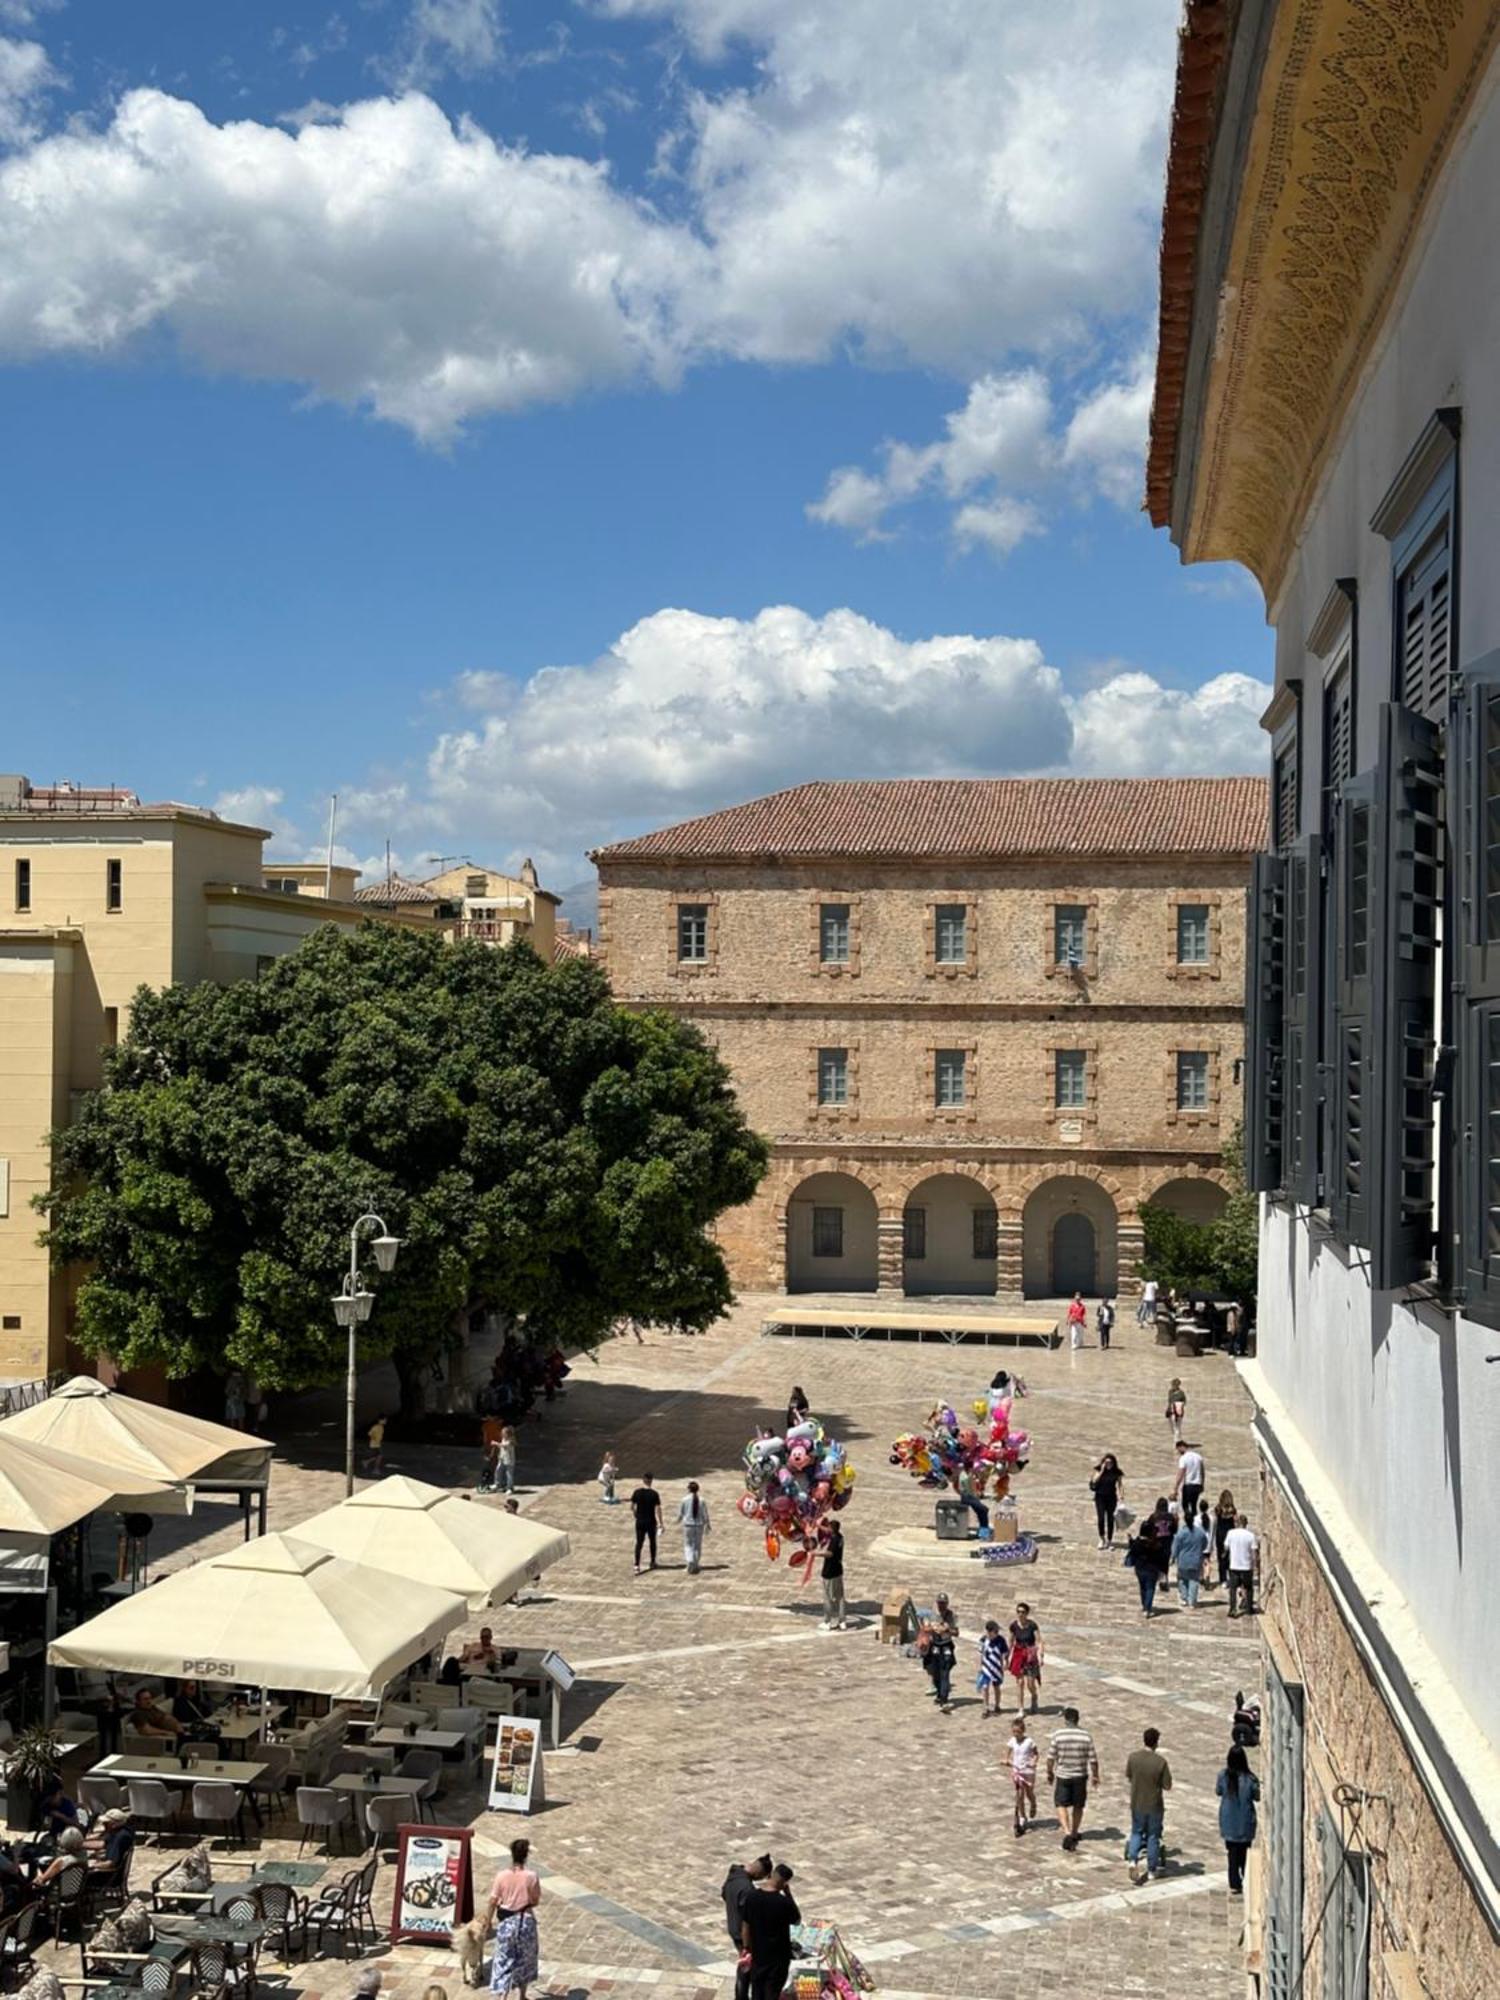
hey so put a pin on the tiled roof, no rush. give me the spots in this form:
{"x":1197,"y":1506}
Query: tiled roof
{"x":974,"y":817}
{"x":395,"y":890}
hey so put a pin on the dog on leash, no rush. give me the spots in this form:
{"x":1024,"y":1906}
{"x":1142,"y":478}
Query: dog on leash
{"x":468,"y":1942}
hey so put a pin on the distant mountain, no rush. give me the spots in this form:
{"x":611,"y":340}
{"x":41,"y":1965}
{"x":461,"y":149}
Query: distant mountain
{"x":580,"y":904}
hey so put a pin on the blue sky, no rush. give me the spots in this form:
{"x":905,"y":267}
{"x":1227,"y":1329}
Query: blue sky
{"x":535,"y":422}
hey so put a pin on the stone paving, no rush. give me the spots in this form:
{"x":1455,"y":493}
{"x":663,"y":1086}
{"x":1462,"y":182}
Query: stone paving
{"x":714,"y":1719}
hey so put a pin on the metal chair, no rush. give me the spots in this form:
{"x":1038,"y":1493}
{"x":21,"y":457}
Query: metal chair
{"x":216,"y":1803}
{"x":17,"y":1940}
{"x":240,"y":1903}
{"x":284,"y":1910}
{"x":67,"y":1899}
{"x":150,"y":1800}
{"x":346,"y":1907}
{"x":100,"y":1795}
{"x":209,"y":1970}
{"x":357,"y":1762}
{"x":383,"y":1814}
{"x":159,"y":1975}
{"x":319,"y":1808}
{"x":110,"y":1887}
{"x":428,"y":1766}
{"x":271,"y":1784}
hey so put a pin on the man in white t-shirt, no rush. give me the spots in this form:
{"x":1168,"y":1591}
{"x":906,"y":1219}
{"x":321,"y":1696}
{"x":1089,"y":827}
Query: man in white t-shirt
{"x":1243,"y":1551}
{"x":1146,"y":1311}
{"x":1190,"y":1478}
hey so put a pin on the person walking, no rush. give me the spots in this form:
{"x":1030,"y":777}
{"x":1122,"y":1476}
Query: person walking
{"x":739,"y":1885}
{"x":1104,"y":1320}
{"x":796,"y":1408}
{"x":1188,"y":1484}
{"x":646,"y":1505}
{"x":1106,"y":1483}
{"x":692,"y":1514}
{"x":1149,"y":1777}
{"x":766,"y":1933}
{"x":1023,"y":1763}
{"x":505,"y":1460}
{"x":1176,"y":1410}
{"x":1026,"y":1657}
{"x":1077,"y":1319}
{"x":607,"y":1474}
{"x":994,"y":1655}
{"x":1238,"y":1789}
{"x":1149,"y":1554}
{"x":1189,"y":1551}
{"x":834,"y":1602}
{"x":513,"y":1899}
{"x":1243,"y":1551}
{"x":935,"y":1643}
{"x":1145,"y":1312}
{"x":1225,"y":1515}
{"x":1071,"y":1761}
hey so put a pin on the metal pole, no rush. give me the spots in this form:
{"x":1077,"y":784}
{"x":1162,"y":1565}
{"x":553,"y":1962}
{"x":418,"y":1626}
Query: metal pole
{"x":349,"y":1388}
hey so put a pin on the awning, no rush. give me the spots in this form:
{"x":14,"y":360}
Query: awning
{"x":435,"y":1536}
{"x":112,"y":1429}
{"x":276,"y":1612}
{"x":43,"y":1491}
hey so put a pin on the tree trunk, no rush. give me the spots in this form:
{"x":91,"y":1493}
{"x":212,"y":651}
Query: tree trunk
{"x":409,"y":1375}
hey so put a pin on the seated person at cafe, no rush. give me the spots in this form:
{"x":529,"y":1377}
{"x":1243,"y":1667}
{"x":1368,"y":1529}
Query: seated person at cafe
{"x":452,"y":1672}
{"x":56,"y":1809}
{"x":146,"y":1719}
{"x":192,"y":1711}
{"x":481,"y":1651}
{"x":109,"y":1843}
{"x":69,"y":1851}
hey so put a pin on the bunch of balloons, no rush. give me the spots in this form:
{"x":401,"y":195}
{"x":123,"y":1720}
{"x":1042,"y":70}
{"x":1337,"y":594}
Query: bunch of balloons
{"x":990,"y":1449}
{"x":792,"y":1485}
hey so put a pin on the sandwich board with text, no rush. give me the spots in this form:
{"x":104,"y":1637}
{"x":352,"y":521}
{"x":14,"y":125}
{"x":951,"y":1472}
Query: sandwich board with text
{"x":516,"y":1782}
{"x":434,"y":1883}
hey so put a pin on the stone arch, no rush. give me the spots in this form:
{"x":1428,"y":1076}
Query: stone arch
{"x":950,"y":1235}
{"x":1070,"y":1234}
{"x":1151,"y":1184}
{"x":792,"y":1173}
{"x":1013,"y":1203}
{"x":1199,"y":1198}
{"x":899,"y":1187}
{"x":829,"y":1231}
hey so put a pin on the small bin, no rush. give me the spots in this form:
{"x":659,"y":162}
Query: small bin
{"x":951,"y":1520}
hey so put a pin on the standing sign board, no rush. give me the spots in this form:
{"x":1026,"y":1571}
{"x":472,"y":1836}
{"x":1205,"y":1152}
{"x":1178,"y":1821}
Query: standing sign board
{"x":434,"y":1883}
{"x":516,"y":1783}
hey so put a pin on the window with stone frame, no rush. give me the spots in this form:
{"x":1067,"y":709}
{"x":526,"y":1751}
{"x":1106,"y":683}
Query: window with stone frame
{"x":1070,"y":1079}
{"x":828,"y":1232}
{"x":950,"y":1079}
{"x":1192,"y":1085}
{"x":833,"y":1078}
{"x":950,"y":934}
{"x":1070,"y":949}
{"x":692,"y":933}
{"x":1192,"y":1080}
{"x":834,"y":934}
{"x":1193,"y":942}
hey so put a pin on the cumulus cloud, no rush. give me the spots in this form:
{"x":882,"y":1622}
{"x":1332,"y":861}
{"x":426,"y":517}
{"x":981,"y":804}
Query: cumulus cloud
{"x":686,"y":713}
{"x":26,"y":80}
{"x":927,"y":185}
{"x":1001,"y":456}
{"x":259,"y":805}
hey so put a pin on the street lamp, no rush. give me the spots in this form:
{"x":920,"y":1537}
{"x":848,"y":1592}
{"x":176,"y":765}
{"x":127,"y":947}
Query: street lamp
{"x":351,"y":1308}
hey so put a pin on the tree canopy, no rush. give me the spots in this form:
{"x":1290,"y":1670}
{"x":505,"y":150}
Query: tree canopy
{"x":1218,"y":1256}
{"x":540,"y":1151}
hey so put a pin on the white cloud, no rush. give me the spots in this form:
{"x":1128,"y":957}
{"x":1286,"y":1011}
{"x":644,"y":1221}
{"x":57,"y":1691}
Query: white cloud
{"x":443,"y":35}
{"x":259,"y":805}
{"x":686,"y":713}
{"x":1106,"y":436}
{"x":999,"y":527}
{"x":26,"y":79}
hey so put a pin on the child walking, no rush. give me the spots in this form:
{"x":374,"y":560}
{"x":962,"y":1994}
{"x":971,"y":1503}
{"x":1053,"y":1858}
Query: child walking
{"x":1023,"y":1762}
{"x":993,"y":1657}
{"x":609,"y":1472}
{"x":505,"y":1460}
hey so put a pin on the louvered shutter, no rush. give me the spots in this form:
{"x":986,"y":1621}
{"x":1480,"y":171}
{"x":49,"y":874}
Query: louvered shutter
{"x":1301,"y":1081}
{"x":1265,"y":976}
{"x":1474,"y":830}
{"x":1407,"y":899}
{"x":1350,"y":1051}
{"x":1426,"y":625}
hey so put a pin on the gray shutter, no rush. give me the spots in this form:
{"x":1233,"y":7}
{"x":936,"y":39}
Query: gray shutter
{"x":1265,"y":976}
{"x":1283,"y":1836}
{"x":1408,"y":879}
{"x":1301,"y":1016}
{"x":1474,"y":831}
{"x":1349,"y":1084}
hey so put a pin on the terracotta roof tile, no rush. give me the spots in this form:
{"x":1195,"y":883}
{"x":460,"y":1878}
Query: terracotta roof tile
{"x":973,"y":817}
{"x":395,"y":890}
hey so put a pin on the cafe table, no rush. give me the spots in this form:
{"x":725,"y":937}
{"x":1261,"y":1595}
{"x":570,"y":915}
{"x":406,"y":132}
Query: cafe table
{"x":289,"y":1874}
{"x":241,"y":1726}
{"x":172,"y":1770}
{"x":369,"y":1788}
{"x":213,"y":1930}
{"x":449,"y":1741}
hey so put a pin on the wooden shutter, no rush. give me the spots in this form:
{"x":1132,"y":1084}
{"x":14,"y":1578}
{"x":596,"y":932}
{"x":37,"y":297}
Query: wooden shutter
{"x":1407,"y":884}
{"x":1349,"y":1086}
{"x":1425,"y":625}
{"x":1474,"y":831}
{"x":1301,"y":1013}
{"x":1265,"y":988}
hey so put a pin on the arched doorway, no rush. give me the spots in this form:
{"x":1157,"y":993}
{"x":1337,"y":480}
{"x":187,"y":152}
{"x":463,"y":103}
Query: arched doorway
{"x":950,"y":1237}
{"x":1196,"y":1200}
{"x":1069,"y":1240}
{"x":831,"y":1236}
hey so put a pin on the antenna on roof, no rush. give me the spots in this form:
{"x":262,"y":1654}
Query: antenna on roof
{"x":333,"y":813}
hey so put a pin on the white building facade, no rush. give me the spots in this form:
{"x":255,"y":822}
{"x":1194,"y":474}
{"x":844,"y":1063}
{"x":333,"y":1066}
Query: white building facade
{"x":1328,"y":413}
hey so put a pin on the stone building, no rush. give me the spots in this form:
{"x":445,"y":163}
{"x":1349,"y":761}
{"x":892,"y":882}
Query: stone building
{"x":1327,"y":412}
{"x":981,"y":1021}
{"x":471,"y":901}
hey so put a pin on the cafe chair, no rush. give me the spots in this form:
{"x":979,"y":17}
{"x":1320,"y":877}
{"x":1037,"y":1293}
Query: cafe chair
{"x":346,"y":1908}
{"x":100,"y":1795}
{"x":133,"y":1744}
{"x":357,"y":1762}
{"x":216,"y":1803}
{"x":320,"y":1810}
{"x":67,"y":1899}
{"x":383,"y":1814}
{"x":197,"y":1753}
{"x":210,"y":1971}
{"x":271,"y":1784}
{"x":286,"y":1915}
{"x":110,"y":1887}
{"x":474,"y":1724}
{"x":428,"y":1766}
{"x":494,"y":1697}
{"x":151,"y":1801}
{"x":17,"y":1941}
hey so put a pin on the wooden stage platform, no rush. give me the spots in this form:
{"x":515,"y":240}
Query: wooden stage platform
{"x":956,"y":1323}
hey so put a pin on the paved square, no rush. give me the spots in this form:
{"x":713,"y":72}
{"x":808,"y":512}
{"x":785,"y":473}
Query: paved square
{"x":713,"y":1718}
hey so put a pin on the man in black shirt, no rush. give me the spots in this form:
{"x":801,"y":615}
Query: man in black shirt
{"x":739,"y":1885}
{"x":833,"y":1579}
{"x":647,"y":1504}
{"x":766,"y":1933}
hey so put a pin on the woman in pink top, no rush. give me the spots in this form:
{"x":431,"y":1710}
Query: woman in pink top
{"x":515,"y":1895}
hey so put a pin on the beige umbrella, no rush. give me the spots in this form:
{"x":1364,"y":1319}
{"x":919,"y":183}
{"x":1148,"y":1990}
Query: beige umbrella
{"x":276,"y":1612}
{"x":427,"y":1532}
{"x":112,"y":1429}
{"x":44,"y":1491}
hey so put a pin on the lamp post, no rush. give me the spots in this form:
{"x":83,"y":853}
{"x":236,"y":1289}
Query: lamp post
{"x":352,"y":1308}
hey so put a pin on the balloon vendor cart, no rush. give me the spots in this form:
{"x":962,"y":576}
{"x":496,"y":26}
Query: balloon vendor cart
{"x":830,"y":1970}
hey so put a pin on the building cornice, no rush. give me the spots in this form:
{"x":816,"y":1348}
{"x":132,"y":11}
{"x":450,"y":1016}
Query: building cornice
{"x":847,"y":1003}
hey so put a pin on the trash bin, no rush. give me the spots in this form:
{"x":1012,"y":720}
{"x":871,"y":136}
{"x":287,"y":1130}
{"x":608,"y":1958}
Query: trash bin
{"x":951,"y":1521}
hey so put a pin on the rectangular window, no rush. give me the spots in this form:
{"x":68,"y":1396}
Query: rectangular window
{"x":1070,"y":924}
{"x":986,"y":1233}
{"x":1424,"y":592}
{"x":1338,"y":739}
{"x":1282,"y":1836}
{"x":1346,"y":1890}
{"x":914,"y":1234}
{"x":1192,"y":1080}
{"x":833,"y":1076}
{"x":113,"y":885}
{"x":833,"y":934}
{"x":950,"y":1078}
{"x":111,"y":1027}
{"x":828,"y":1232}
{"x":23,"y":885}
{"x":1070,"y":1079}
{"x":1192,"y":934}
{"x":1285,"y":806}
{"x":692,"y":933}
{"x":950,"y":943}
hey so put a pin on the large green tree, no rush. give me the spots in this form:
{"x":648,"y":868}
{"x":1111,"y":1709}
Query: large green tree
{"x":539,"y":1150}
{"x":1218,"y":1256}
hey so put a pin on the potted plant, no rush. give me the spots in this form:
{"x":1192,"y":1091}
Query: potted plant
{"x":31,"y":1758}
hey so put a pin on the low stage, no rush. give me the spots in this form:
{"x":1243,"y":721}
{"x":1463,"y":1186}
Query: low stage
{"x":956,"y":1321}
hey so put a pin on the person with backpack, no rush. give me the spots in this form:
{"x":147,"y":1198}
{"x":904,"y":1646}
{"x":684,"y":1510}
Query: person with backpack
{"x":1238,"y":1789}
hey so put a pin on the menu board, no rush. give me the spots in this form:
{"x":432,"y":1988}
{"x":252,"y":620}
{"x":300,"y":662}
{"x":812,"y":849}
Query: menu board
{"x":434,"y":1882}
{"x":516,"y":1777}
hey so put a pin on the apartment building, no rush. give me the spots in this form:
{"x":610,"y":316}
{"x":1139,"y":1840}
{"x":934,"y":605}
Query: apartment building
{"x":981,"y":1021}
{"x":469,"y":901}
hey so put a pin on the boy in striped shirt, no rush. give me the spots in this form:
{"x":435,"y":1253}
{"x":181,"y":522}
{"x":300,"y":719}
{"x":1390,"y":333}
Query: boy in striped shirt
{"x":1071,"y":1761}
{"x":993,"y":1654}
